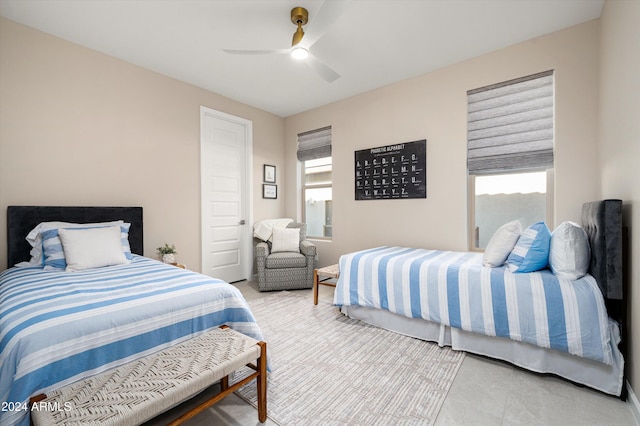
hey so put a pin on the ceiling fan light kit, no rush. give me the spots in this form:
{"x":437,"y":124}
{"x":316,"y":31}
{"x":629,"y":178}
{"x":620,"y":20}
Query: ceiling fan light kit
{"x":299,"y":53}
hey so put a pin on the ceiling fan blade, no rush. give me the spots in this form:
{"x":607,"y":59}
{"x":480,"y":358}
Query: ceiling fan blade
{"x":255,"y":52}
{"x":322,"y":69}
{"x":329,"y":13}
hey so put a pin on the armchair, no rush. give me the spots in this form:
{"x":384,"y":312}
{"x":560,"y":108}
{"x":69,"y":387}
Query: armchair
{"x":286,"y":270}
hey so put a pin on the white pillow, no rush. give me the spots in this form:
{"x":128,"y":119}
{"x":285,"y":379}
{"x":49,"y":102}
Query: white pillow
{"x":570,"y":254}
{"x":34,"y":237}
{"x":286,"y":239}
{"x":501,"y":244}
{"x":33,"y":234}
{"x":86,"y":248}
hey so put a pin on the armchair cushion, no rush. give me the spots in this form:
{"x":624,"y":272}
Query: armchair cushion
{"x":285,"y":260}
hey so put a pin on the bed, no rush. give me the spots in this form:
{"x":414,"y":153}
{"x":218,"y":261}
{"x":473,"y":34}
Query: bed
{"x":59,"y":326}
{"x":571,"y":328}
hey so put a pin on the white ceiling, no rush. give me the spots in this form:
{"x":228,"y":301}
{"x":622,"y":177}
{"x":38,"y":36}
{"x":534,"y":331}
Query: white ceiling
{"x":372,"y":44}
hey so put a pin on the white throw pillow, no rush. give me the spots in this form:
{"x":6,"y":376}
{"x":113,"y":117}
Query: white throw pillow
{"x":86,"y":248}
{"x":286,"y":239}
{"x":501,"y":244}
{"x":34,"y":237}
{"x":570,"y":254}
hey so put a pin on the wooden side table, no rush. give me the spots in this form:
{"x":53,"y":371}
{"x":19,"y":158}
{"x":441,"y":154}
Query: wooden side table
{"x":331,"y":271}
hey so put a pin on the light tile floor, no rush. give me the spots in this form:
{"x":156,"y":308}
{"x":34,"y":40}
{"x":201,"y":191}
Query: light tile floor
{"x":484,"y":392}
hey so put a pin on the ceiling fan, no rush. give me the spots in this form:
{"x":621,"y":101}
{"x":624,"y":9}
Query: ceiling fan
{"x":302,"y":41}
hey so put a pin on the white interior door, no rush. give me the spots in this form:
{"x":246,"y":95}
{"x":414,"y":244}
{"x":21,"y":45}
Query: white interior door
{"x":226,"y":158}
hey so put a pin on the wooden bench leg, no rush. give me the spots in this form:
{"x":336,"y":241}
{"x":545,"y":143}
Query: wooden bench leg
{"x":315,"y":286}
{"x":261,"y":382}
{"x":261,"y":379}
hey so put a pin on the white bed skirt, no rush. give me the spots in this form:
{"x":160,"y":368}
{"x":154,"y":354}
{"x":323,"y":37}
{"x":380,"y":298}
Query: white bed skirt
{"x":599,"y":376}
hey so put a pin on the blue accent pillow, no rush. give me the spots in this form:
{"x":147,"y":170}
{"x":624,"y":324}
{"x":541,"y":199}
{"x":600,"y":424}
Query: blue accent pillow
{"x":53,"y":254}
{"x":531,"y":252}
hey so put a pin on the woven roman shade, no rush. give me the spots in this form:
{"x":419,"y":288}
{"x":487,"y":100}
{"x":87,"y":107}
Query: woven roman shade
{"x":510,"y":125}
{"x":314,"y":144}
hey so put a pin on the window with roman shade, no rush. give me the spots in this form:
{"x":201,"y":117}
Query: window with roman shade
{"x":510,"y":125}
{"x":510,"y":155}
{"x":314,"y":144}
{"x":314,"y":152}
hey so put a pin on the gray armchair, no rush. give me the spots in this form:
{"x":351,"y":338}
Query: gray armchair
{"x":286,"y":270}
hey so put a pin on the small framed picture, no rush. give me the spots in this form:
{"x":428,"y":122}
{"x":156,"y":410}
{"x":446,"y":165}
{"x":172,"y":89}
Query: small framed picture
{"x":269,"y":191}
{"x":269,"y":173}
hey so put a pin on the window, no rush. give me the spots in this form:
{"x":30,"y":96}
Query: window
{"x":314,"y":151}
{"x":318,"y":197}
{"x":510,"y":155}
{"x":502,"y":198}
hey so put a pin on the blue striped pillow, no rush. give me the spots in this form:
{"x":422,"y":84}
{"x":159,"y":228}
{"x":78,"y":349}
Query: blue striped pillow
{"x":531,"y":252}
{"x":53,"y":254}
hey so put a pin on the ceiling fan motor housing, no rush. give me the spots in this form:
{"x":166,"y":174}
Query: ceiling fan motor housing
{"x":299,"y":15}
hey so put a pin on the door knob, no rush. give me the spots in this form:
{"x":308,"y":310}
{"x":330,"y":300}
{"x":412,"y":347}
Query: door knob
{"x":242,"y":222}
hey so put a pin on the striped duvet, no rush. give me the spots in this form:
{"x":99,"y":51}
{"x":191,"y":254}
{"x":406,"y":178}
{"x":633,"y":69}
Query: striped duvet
{"x":454,"y":289}
{"x":58,"y":327}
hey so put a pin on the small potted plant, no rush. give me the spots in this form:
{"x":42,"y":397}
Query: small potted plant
{"x":167,"y":253}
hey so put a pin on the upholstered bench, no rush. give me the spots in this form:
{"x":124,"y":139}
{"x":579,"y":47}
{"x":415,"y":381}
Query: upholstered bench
{"x":140,"y":390}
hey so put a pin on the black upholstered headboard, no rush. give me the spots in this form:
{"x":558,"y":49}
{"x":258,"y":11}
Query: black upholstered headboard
{"x":22,"y":219}
{"x":603,"y":222}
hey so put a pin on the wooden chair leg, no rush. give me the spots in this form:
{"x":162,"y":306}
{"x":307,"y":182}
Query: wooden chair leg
{"x":315,"y":286}
{"x":261,"y":382}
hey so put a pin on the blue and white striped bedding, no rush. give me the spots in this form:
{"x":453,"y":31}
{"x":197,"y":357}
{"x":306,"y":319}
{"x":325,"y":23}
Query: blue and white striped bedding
{"x":58,"y":327}
{"x":454,"y":289}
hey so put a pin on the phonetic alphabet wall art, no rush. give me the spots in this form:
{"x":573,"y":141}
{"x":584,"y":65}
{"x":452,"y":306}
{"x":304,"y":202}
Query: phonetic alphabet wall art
{"x":392,"y":172}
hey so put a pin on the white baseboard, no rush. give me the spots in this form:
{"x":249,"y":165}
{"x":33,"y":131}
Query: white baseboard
{"x":633,"y":403}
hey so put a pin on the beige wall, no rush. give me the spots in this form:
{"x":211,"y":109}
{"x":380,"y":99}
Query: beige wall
{"x":433,"y":106}
{"x":82,"y":128}
{"x":620,"y":141}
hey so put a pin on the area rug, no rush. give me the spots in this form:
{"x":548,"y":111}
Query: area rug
{"x":327,"y":369}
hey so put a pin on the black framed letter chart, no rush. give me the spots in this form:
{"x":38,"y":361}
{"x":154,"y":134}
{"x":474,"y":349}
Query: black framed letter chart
{"x":392,"y":172}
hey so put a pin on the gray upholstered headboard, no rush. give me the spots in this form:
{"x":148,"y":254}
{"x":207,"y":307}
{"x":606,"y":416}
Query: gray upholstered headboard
{"x":603,"y":222}
{"x":22,"y":219}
